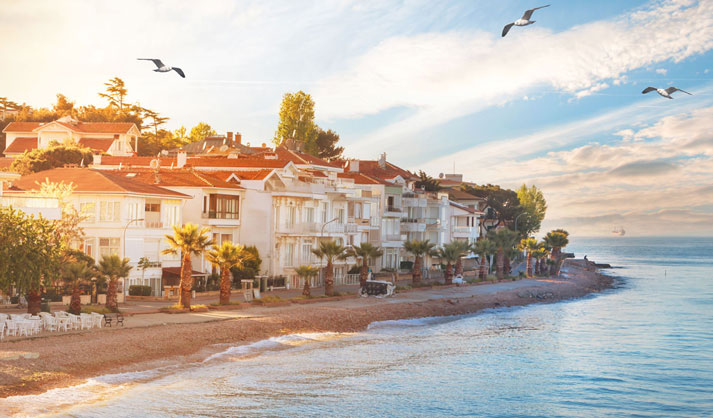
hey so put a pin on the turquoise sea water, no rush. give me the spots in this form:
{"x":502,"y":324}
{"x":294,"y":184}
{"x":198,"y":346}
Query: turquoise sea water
{"x":644,"y":348}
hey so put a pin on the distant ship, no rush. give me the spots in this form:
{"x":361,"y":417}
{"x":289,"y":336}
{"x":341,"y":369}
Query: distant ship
{"x":619,"y":231}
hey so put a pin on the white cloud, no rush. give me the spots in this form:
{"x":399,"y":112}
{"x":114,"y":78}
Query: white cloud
{"x":661,"y":71}
{"x":443,"y":76}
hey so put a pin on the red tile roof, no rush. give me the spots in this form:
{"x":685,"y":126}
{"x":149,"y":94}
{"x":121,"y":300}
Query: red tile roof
{"x":358,"y":178}
{"x":88,"y":180}
{"x":5,"y":163}
{"x":97,"y":144}
{"x":253,"y":175}
{"x":316,"y":173}
{"x":22,"y":126}
{"x":388,"y":172}
{"x":20,"y":145}
{"x":134,"y":161}
{"x":236,"y":162}
{"x":456,"y":194}
{"x":85,"y":127}
{"x":302,"y":158}
{"x":176,"y":178}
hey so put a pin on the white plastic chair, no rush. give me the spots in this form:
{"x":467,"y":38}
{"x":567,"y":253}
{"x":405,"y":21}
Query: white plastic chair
{"x":2,"y":330}
{"x":86,"y":321}
{"x":49,"y":322}
{"x":74,"y":321}
{"x":11,"y":327}
{"x":98,"y":319}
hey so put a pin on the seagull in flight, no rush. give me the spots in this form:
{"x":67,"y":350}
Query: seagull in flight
{"x":163,"y":68}
{"x":523,"y":21}
{"x":664,"y":92}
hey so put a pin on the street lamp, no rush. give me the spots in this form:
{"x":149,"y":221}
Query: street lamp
{"x":124,"y":246}
{"x":523,"y":213}
{"x":321,"y":234}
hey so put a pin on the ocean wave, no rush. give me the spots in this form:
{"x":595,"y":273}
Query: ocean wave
{"x":273,"y":343}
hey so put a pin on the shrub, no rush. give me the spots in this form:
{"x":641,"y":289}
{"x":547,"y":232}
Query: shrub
{"x":100,"y":309}
{"x":354,"y":270}
{"x":138,"y":290}
{"x":406,"y":265}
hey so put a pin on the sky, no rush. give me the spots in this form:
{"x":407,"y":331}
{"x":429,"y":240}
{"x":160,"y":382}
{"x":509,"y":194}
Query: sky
{"x":557,"y":104}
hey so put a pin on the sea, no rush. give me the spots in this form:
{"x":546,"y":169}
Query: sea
{"x":641,"y":349}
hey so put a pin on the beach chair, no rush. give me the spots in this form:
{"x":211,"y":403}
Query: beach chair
{"x":85,"y":321}
{"x":107,"y":320}
{"x":2,"y":330}
{"x":119,"y":319}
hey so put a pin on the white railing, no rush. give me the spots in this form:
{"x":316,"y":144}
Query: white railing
{"x":299,"y":228}
{"x":347,"y":279}
{"x":463,"y":229}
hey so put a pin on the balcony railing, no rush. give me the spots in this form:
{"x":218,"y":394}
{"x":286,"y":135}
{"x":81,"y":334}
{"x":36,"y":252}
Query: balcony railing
{"x":220,"y":215}
{"x":393,"y":209}
{"x":299,"y":228}
{"x":463,"y":229}
{"x":392,"y":237}
{"x":153,"y":224}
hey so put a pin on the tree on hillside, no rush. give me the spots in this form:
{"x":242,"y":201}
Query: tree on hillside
{"x":534,"y":205}
{"x":327,"y":148}
{"x":56,"y":155}
{"x":297,"y":122}
{"x":64,"y":107}
{"x":201,"y":132}
{"x":115,"y":93}
{"x":427,"y":182}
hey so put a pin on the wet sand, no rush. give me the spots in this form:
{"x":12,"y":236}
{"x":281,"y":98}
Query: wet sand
{"x":70,"y":359}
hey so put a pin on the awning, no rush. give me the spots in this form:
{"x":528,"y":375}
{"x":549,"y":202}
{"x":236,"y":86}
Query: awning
{"x":171,"y":276}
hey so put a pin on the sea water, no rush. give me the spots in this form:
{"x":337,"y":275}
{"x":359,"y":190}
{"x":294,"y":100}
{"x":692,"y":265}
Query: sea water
{"x":644,"y":348}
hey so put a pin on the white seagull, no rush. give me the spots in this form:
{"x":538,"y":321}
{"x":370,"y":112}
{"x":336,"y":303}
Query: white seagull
{"x":523,"y":21}
{"x":163,"y":68}
{"x":664,"y":92}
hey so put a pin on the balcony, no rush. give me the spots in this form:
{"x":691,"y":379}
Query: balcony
{"x":394,"y":212}
{"x":412,"y":226}
{"x":394,"y":237}
{"x":463,"y":231}
{"x":414,"y":202}
{"x":308,"y":228}
{"x":221,"y":218}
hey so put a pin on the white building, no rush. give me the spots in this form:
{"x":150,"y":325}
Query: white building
{"x":113,"y":138}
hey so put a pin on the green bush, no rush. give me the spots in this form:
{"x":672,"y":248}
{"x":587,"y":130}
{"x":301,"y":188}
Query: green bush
{"x":406,"y":265}
{"x":137,"y":290}
{"x":354,"y":270}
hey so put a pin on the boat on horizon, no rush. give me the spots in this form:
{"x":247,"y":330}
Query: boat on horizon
{"x":619,"y":231}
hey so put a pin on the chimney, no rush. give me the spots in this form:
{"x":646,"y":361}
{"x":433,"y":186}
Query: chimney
{"x":181,"y":158}
{"x":97,"y":159}
{"x":238,"y":138}
{"x":264,"y":145}
{"x":354,"y":166}
{"x":382,"y":160}
{"x":230,"y":139}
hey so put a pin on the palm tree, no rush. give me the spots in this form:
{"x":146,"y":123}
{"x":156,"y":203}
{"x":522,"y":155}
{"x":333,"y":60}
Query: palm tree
{"x":450,"y":253}
{"x":225,"y":257}
{"x":465,"y":247}
{"x":504,"y":240}
{"x":187,"y":240}
{"x":113,"y":268}
{"x":484,"y":248}
{"x":556,"y":240}
{"x":418,"y":249}
{"x":143,"y":264}
{"x":539,"y":254}
{"x":529,"y":245}
{"x":307,"y":272}
{"x":331,"y":251}
{"x":75,"y":273}
{"x":366,"y":252}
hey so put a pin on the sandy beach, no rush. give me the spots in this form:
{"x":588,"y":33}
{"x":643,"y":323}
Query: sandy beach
{"x":70,"y":359}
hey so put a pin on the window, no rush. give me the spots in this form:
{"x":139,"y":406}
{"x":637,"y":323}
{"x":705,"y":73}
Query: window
{"x":88,"y":210}
{"x":152,"y":207}
{"x":289,"y":255}
{"x":323,"y":215}
{"x":172,"y":215}
{"x":134,"y":211}
{"x":309,"y":215}
{"x":339,"y":214}
{"x":109,"y":246}
{"x":224,"y":206}
{"x":109,"y":211}
{"x":306,"y":253}
{"x":291,"y":215}
{"x":366,"y":213}
{"x":89,"y":247}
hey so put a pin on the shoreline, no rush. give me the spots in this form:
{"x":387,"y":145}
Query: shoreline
{"x":71,"y":359}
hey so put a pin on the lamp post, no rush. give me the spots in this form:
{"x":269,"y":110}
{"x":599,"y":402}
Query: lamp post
{"x":523,"y":213}
{"x":124,"y":244}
